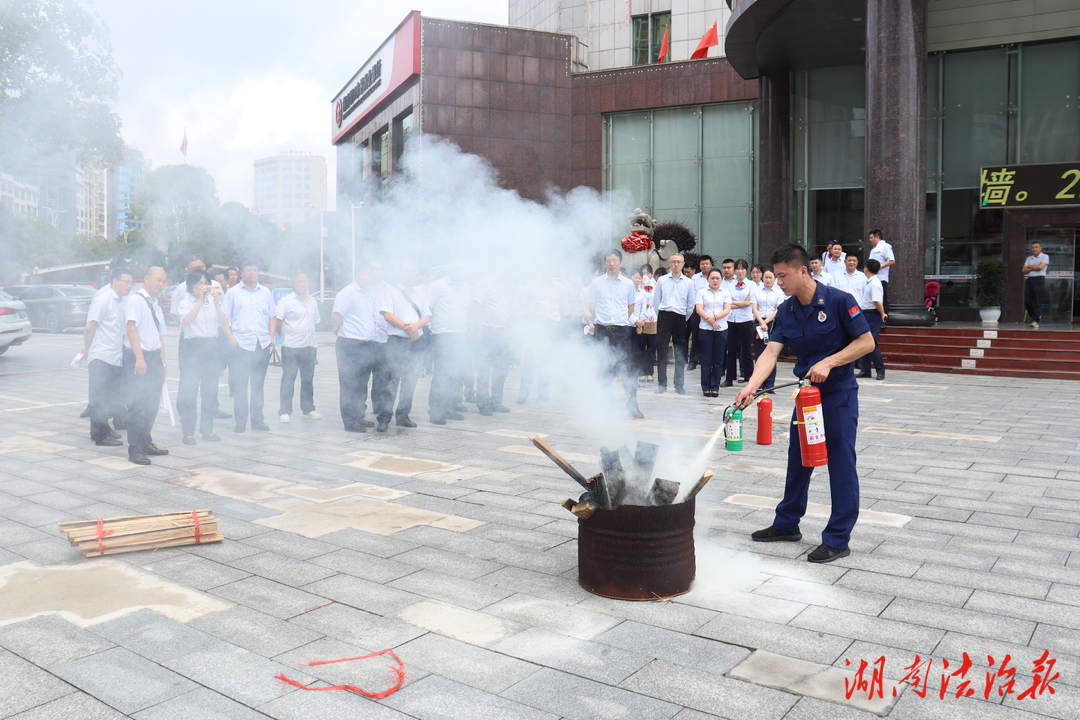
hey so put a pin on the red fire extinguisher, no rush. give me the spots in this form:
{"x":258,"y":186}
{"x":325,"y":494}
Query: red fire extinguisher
{"x":811,"y":425}
{"x":764,"y":420}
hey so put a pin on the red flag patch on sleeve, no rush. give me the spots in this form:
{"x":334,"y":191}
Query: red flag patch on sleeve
{"x":853,"y":311}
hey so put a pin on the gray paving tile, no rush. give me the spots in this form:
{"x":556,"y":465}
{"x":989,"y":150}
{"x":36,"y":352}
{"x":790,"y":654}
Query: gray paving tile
{"x":476,"y":667}
{"x":291,"y":544}
{"x":151,"y":635}
{"x":576,"y":698}
{"x":329,"y":705}
{"x":751,"y":605}
{"x":124,"y":680}
{"x":832,"y":596}
{"x":815,"y":646}
{"x":1011,"y":606}
{"x":809,"y":708}
{"x":201,"y":703}
{"x":235,"y":672}
{"x":457,"y":591}
{"x":48,"y":641}
{"x":255,"y":631}
{"x":282,"y":569}
{"x":362,"y":565}
{"x":447,"y":562}
{"x":360,"y":628}
{"x":561,"y":618}
{"x":363,"y":594}
{"x":76,"y":705}
{"x":593,"y":660}
{"x":708,"y":692}
{"x":915,"y":589}
{"x":674,"y":647}
{"x":971,"y":622}
{"x":999,"y":580}
{"x":27,"y":685}
{"x":436,"y":698}
{"x":268,"y":596}
{"x":562,"y":588}
{"x":191,"y":570}
{"x":908,"y":635}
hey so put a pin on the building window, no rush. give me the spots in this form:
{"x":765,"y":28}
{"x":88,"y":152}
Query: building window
{"x":403,"y":127}
{"x":691,"y":164}
{"x":647,"y":33}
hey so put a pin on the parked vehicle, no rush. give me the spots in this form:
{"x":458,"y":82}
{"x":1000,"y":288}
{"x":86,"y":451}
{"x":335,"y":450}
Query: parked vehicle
{"x":14,"y":325}
{"x":57,"y":307}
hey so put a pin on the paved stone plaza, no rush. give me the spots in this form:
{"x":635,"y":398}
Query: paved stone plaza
{"x":448,"y":544}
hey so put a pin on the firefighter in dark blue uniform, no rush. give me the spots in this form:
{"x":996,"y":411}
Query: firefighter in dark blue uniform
{"x":825,"y":329}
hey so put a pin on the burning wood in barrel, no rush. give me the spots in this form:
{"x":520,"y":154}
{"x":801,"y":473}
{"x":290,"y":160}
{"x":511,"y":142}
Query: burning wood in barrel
{"x":634,"y":541}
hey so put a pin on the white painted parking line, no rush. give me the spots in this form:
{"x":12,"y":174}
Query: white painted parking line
{"x":903,"y":385}
{"x":874,"y":517}
{"x":516,"y":434}
{"x":933,"y":434}
{"x":42,"y":407}
{"x":15,"y":399}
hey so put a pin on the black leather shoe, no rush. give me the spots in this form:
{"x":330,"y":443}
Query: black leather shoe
{"x":189,"y":440}
{"x":880,"y":376}
{"x":85,"y":413}
{"x":119,"y":424}
{"x":355,"y":427}
{"x":660,"y":390}
{"x":825,"y":553}
{"x":461,"y":408}
{"x":863,"y":375}
{"x":692,"y":366}
{"x":152,"y":449}
{"x":485,"y":410}
{"x":405,"y":422}
{"x":221,"y":415}
{"x":680,"y":391}
{"x":726,"y":383}
{"x":438,"y":421}
{"x":261,"y":427}
{"x":112,"y":435}
{"x":455,"y":416}
{"x":366,"y":423}
{"x":139,"y":459}
{"x":635,"y":412}
{"x":500,"y":408}
{"x":522,"y":400}
{"x":771,"y":534}
{"x":211,"y":437}
{"x":382,"y":427}
{"x":109,"y":442}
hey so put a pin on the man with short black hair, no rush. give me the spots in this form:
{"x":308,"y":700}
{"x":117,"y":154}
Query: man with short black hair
{"x":883,"y":253}
{"x":675,"y":298}
{"x":103,"y":347}
{"x":297,"y":317}
{"x":144,"y":364}
{"x":609,"y":304}
{"x":872,"y":303}
{"x":250,"y":309}
{"x":1035,"y":282}
{"x":825,"y":329}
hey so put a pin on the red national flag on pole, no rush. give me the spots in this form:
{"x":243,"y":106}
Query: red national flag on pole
{"x":183,"y":145}
{"x":712,"y":37}
{"x":662,"y":57}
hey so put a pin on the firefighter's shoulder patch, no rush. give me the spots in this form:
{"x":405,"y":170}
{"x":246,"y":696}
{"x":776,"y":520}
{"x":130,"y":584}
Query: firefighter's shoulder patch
{"x":853,"y":311}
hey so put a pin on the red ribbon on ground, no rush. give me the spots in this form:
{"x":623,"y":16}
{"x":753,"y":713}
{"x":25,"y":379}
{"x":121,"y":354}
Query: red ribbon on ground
{"x":198,"y":527}
{"x":102,"y":533}
{"x":399,"y":673}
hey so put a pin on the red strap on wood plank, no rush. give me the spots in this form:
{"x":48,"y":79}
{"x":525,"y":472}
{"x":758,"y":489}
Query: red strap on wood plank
{"x":198,"y":527}
{"x":399,"y":673}
{"x":102,"y":533}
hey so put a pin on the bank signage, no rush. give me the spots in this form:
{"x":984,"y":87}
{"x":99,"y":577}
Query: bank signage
{"x":1037,"y":185}
{"x":395,"y":62}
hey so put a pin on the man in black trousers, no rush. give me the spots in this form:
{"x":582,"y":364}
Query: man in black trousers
{"x":144,"y":364}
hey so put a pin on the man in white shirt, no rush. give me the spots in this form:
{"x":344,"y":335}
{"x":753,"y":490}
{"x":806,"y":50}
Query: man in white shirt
{"x":144,"y":364}
{"x":450,"y":299}
{"x":834,"y":260}
{"x":103,"y":347}
{"x":493,"y":309}
{"x":361,"y":350}
{"x":675,"y":298}
{"x":250,"y":309}
{"x":407,"y":314}
{"x":817,"y":272}
{"x":1035,"y":282}
{"x":872,"y":303}
{"x":851,"y":280}
{"x":297,"y":317}
{"x":883,"y":253}
{"x":609,"y":302}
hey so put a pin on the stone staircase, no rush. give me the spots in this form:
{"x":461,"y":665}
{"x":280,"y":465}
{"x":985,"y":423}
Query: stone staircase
{"x":1021,"y":352}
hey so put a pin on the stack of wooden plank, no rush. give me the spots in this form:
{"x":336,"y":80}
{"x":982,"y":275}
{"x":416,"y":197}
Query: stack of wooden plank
{"x":143,"y":532}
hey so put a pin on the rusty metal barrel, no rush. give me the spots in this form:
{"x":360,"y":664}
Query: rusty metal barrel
{"x":637,"y":552}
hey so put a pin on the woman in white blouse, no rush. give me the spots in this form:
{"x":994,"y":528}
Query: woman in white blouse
{"x":713,"y":306}
{"x":766,"y":301}
{"x":201,"y":321}
{"x":645,"y":321}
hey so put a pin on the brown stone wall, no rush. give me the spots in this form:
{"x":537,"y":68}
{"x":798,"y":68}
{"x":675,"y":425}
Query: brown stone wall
{"x":694,"y":82}
{"x":503,"y":93}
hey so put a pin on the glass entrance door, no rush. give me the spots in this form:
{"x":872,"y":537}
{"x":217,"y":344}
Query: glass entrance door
{"x":1062,"y":294}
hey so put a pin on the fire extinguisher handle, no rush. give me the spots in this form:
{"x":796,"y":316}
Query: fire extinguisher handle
{"x":781,"y":386}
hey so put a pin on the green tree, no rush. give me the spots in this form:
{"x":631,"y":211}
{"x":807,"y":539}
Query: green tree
{"x":180,"y":211}
{"x":58,"y":81}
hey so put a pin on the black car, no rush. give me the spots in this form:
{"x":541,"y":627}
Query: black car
{"x":57,"y":307}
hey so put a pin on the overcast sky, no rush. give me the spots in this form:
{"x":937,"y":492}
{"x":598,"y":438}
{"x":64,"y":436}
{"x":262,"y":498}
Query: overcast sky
{"x":248,"y":79}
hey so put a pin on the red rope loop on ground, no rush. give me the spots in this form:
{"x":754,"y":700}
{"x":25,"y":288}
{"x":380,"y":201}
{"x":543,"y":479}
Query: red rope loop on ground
{"x":198,"y":527}
{"x":399,"y":673}
{"x":102,"y":533}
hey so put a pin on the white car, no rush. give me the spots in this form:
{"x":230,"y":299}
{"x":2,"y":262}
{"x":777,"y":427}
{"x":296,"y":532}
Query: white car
{"x":14,"y":324}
